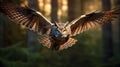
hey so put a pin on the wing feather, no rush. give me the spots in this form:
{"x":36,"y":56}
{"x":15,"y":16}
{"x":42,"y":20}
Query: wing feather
{"x":27,"y":17}
{"x":85,"y":22}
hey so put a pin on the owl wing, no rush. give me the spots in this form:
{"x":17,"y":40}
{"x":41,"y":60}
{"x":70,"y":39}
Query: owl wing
{"x":90,"y":20}
{"x":27,"y":17}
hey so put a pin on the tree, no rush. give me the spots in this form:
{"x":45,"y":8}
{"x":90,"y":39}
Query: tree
{"x":1,"y":31}
{"x":117,"y":36}
{"x":54,"y":10}
{"x":32,"y":35}
{"x":72,"y":10}
{"x":107,"y":35}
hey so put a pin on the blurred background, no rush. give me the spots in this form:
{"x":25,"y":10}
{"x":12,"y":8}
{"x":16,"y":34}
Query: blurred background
{"x":97,"y":47}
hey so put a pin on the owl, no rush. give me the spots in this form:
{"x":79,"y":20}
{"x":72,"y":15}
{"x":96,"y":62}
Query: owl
{"x":56,"y":36}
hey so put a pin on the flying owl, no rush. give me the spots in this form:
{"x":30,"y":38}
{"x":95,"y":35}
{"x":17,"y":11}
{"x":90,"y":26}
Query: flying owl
{"x":57,"y":36}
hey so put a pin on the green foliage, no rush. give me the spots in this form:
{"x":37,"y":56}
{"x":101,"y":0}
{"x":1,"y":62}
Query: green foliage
{"x":85,"y":53}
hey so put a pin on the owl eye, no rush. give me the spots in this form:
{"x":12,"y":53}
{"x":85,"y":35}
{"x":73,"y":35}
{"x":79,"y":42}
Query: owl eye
{"x":64,"y":30}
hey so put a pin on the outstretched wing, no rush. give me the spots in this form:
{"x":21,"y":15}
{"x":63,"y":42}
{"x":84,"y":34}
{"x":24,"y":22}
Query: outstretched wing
{"x":85,"y":22}
{"x":27,"y":17}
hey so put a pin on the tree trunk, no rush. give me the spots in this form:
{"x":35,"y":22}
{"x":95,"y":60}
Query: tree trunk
{"x":54,"y":10}
{"x":107,"y":35}
{"x":117,"y":36}
{"x":1,"y":32}
{"x":32,"y":35}
{"x":73,"y":11}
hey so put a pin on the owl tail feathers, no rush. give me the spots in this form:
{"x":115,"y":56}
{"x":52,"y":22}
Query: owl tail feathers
{"x":55,"y":45}
{"x":69,"y":43}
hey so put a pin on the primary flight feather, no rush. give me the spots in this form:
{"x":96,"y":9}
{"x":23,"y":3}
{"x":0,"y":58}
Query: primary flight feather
{"x":57,"y":36}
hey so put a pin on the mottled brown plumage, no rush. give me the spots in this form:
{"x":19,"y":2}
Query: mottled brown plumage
{"x":57,"y":36}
